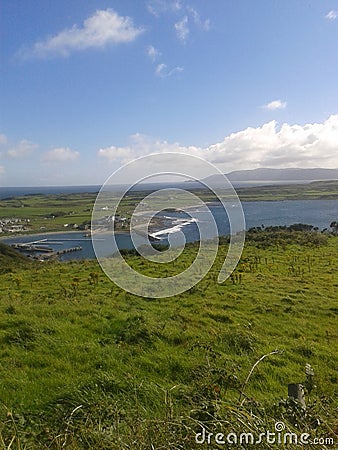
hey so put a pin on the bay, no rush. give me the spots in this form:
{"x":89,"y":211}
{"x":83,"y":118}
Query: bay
{"x":319,"y":213}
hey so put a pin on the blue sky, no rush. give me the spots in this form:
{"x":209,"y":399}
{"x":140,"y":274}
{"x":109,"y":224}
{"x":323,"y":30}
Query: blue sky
{"x":87,"y":85}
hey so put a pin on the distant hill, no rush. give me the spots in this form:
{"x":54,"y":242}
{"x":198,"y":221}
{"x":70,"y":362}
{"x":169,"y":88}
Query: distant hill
{"x":277,"y":175}
{"x":10,"y":258}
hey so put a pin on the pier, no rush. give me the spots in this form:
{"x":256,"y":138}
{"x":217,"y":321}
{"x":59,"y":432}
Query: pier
{"x":32,"y":248}
{"x":55,"y":254}
{"x":41,"y":247}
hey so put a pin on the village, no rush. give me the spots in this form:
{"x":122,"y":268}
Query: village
{"x":110,"y":222}
{"x":25,"y":225}
{"x":14,"y":225}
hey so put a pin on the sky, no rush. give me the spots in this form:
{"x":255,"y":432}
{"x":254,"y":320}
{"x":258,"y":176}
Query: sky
{"x":88,"y":85}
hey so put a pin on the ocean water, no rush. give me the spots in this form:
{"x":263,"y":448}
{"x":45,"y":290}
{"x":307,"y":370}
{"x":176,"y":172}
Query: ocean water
{"x":7,"y":192}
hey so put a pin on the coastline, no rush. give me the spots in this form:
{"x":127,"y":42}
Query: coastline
{"x":48,"y":233}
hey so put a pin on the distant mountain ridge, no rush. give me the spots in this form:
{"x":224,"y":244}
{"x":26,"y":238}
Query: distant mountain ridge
{"x":266,"y":174}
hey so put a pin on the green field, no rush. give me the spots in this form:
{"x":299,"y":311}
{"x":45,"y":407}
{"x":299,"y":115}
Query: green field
{"x":85,"y":365}
{"x":49,"y":212}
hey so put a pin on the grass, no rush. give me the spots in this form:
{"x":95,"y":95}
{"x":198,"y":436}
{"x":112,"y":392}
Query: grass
{"x":85,"y":365}
{"x":11,"y":259}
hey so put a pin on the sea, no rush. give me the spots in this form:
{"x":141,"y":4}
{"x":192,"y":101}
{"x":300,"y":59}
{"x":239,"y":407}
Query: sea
{"x":319,"y":213}
{"x":14,"y":191}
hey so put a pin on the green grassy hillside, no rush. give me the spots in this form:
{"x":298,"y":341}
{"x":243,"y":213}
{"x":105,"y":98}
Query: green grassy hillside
{"x":85,"y":365}
{"x":10,"y":258}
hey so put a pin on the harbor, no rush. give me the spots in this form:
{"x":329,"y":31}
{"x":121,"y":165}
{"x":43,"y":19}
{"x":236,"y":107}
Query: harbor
{"x":43,"y":249}
{"x":67,"y":246}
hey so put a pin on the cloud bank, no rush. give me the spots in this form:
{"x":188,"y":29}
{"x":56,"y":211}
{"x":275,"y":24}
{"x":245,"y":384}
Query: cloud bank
{"x":303,"y":146}
{"x":103,"y":28}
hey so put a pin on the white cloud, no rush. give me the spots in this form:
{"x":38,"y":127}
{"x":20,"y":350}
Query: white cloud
{"x":205,"y":25}
{"x":2,"y":170}
{"x":179,"y":7}
{"x":22,"y":149}
{"x":3,"y":139}
{"x":141,"y":145}
{"x":160,"y":69}
{"x":153,"y":53}
{"x":275,"y":104}
{"x":163,"y":72}
{"x":332,"y":15}
{"x":182,"y":29}
{"x":104,"y":27}
{"x":60,"y":154}
{"x":158,"y":7}
{"x":113,"y":153}
{"x":309,"y":145}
